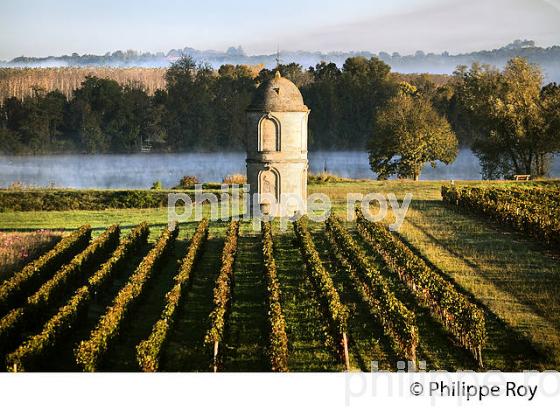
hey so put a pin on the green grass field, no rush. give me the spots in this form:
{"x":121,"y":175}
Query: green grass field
{"x":514,"y":279}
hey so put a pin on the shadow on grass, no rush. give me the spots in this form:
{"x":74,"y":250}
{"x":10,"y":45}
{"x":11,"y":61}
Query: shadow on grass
{"x":507,"y":348}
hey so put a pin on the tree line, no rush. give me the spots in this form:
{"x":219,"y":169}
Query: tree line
{"x":508,"y":117}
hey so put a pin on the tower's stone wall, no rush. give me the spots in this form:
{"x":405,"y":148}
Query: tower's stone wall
{"x":277,"y":146}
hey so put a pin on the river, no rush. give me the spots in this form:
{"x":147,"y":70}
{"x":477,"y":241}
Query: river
{"x":141,"y":170}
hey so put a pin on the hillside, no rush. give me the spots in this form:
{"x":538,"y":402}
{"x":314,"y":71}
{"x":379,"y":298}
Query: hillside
{"x":420,"y":62}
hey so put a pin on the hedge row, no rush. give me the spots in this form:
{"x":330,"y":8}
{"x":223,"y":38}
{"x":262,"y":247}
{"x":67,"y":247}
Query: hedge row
{"x":14,"y":290}
{"x":334,"y":309}
{"x":65,"y":200}
{"x":399,"y":323}
{"x":278,"y":342}
{"x":536,"y":214}
{"x":90,"y":352}
{"x":34,"y":349}
{"x":223,"y":287}
{"x":462,"y":318}
{"x":85,"y":199}
{"x":53,"y":290}
{"x":148,"y":351}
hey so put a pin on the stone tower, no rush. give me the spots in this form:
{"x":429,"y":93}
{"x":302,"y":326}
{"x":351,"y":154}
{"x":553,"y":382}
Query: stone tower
{"x":277,"y":146}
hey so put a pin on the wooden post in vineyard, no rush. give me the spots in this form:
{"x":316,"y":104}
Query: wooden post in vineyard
{"x":215,"y":364}
{"x":479,"y":354}
{"x":345,"y":347}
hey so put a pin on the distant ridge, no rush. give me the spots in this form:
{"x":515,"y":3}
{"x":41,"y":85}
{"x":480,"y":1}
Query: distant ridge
{"x":548,"y":58}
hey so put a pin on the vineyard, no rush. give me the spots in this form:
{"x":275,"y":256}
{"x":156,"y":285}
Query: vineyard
{"x":531,"y":211}
{"x":331,"y":296}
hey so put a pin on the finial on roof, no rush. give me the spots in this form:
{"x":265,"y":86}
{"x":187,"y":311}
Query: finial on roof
{"x":278,"y":56}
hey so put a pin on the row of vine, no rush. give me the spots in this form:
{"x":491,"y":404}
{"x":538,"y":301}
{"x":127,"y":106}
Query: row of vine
{"x":149,"y":350}
{"x":535,"y":215}
{"x":37,"y":346}
{"x":22,"y":283}
{"x":461,"y":317}
{"x":90,"y":352}
{"x":334,"y":309}
{"x":399,"y":323}
{"x":37,"y":306}
{"x":278,"y":339}
{"x":223,"y":292}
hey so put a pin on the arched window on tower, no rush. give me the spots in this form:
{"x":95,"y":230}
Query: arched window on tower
{"x":269,"y":139}
{"x":269,"y":185}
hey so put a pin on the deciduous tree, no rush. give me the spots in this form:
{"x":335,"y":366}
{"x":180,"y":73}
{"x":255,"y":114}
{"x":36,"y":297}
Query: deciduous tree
{"x":408,"y":134}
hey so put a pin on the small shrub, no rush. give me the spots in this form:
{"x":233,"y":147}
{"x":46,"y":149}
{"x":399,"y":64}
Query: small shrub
{"x":187,"y":182}
{"x":157,"y":185}
{"x":237,"y":179}
{"x":325,"y":177}
{"x":17,"y":186}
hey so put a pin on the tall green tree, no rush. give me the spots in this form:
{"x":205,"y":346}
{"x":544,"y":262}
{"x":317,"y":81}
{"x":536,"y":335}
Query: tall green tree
{"x":292,"y":71}
{"x":550,"y":103}
{"x":364,"y":88}
{"x":190,"y":119}
{"x":97,"y":116}
{"x":322,"y":95}
{"x":511,"y":116}
{"x":408,"y":134}
{"x":234,"y":89}
{"x":34,"y":124}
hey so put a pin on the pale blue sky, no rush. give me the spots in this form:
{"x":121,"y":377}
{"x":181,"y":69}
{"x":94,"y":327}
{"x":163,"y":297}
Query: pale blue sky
{"x":54,"y":27}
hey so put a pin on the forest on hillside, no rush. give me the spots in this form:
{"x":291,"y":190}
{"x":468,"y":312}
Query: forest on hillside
{"x":419,"y":62}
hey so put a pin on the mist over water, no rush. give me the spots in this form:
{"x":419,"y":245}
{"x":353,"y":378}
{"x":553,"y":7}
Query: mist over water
{"x":141,"y":170}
